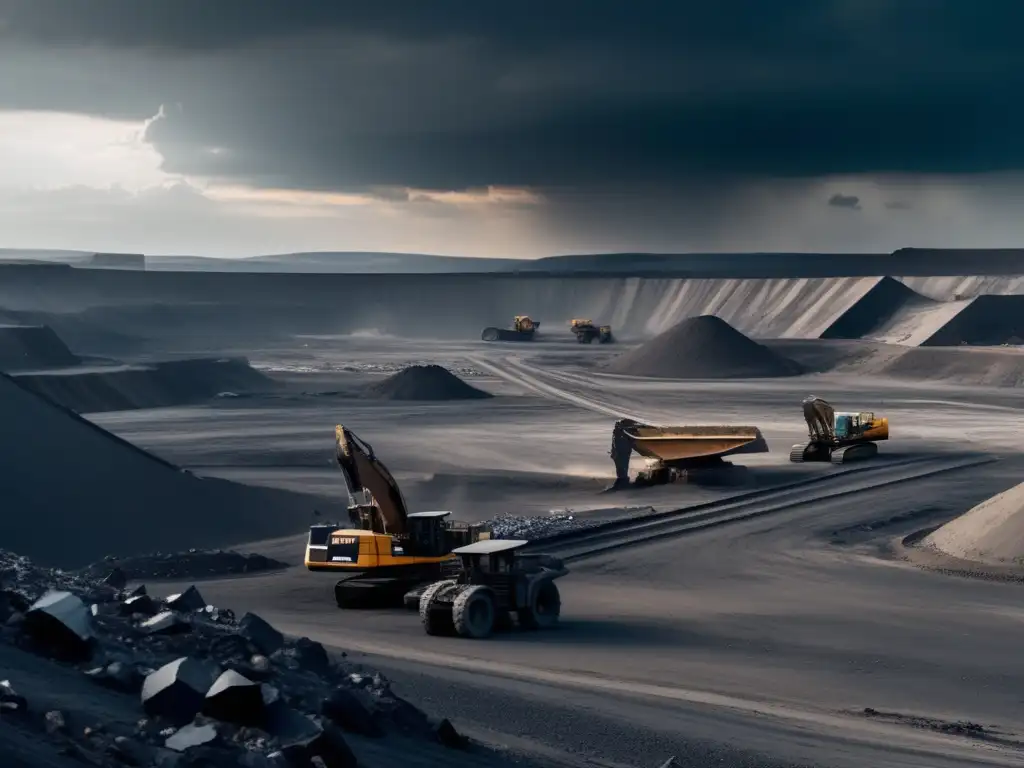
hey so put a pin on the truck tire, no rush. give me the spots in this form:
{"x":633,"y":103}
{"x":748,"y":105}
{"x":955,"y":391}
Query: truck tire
{"x":473,"y":612}
{"x":545,"y":610}
{"x":431,"y":624}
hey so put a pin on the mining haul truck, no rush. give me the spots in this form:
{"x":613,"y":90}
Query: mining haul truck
{"x":671,"y":453}
{"x":586,"y":332}
{"x":496,"y":583}
{"x":839,"y":437}
{"x":523,"y":329}
{"x":383,"y":550}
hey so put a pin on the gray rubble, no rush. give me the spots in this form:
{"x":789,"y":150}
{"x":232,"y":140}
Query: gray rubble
{"x":193,"y":564}
{"x":509,"y":526}
{"x":209,"y":690}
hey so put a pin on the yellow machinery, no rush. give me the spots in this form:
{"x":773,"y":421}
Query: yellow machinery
{"x":586,"y":331}
{"x":523,"y":329}
{"x":839,"y":437}
{"x":671,"y":452}
{"x":384,"y":550}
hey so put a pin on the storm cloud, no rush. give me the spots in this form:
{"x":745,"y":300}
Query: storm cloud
{"x":579,"y":94}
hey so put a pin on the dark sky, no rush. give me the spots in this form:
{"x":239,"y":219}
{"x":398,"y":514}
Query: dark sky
{"x":448,"y":94}
{"x":663,"y":100}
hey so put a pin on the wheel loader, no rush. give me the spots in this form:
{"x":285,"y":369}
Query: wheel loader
{"x":672,"y":453}
{"x":586,"y":331}
{"x":839,"y":437}
{"x":496,"y":583}
{"x":523,"y":329}
{"x":384,"y":550}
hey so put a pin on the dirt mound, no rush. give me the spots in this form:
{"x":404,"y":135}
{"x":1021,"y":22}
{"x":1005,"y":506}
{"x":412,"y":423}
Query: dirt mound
{"x":156,"y":385}
{"x":874,"y":310}
{"x":24,"y":347}
{"x":963,"y":365}
{"x":991,"y":533}
{"x":425,"y":382}
{"x":983,"y":321}
{"x":183,"y":565}
{"x":72,"y":493}
{"x":704,"y":347}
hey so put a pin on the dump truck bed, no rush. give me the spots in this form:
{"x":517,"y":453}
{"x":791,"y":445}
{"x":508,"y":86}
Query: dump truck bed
{"x":673,"y":444}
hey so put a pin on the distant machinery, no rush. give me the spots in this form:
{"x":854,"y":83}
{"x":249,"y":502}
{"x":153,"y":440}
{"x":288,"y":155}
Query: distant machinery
{"x":839,"y":437}
{"x":586,"y":331}
{"x":523,"y":329}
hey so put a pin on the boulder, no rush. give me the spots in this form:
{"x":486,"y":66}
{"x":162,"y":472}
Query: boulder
{"x":117,"y":579}
{"x":235,"y":699}
{"x":117,"y":676}
{"x":60,"y":625}
{"x":11,"y":702}
{"x":446,"y":734}
{"x":187,"y":601}
{"x":142,"y":604}
{"x":258,"y":632}
{"x":177,"y":690}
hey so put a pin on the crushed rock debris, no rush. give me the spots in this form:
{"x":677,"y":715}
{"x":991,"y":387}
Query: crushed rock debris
{"x":210,"y":689}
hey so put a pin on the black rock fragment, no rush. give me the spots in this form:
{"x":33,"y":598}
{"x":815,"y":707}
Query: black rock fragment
{"x":258,"y":632}
{"x":117,"y":579}
{"x":235,"y":699}
{"x":191,"y":736}
{"x":143,"y":604}
{"x":187,"y":601}
{"x":343,"y":708}
{"x":311,"y":655}
{"x":446,"y":734}
{"x":60,"y":625}
{"x":11,"y":702}
{"x":137,"y":592}
{"x":303,"y":738}
{"x":117,"y":676}
{"x":177,"y":690}
{"x":166,"y":623}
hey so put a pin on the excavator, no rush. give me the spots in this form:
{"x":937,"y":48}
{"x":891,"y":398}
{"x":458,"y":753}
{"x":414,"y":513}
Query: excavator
{"x":839,"y":437}
{"x":586,"y":331}
{"x":523,"y":329}
{"x":384,"y":550}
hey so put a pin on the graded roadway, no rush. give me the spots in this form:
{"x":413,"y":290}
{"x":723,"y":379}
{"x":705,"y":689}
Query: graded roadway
{"x":766,"y":633}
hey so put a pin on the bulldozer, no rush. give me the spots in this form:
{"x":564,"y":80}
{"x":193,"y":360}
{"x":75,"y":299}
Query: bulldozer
{"x":586,"y":331}
{"x":383,"y":550}
{"x":839,"y":437}
{"x":523,"y":329}
{"x":672,"y":453}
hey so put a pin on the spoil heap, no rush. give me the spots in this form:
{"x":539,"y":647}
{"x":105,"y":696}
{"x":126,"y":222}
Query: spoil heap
{"x":425,"y":382}
{"x":991,"y":533}
{"x":704,"y":347}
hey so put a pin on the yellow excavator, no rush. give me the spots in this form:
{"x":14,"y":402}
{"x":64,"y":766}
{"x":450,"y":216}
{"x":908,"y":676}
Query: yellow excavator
{"x":586,"y":331}
{"x":839,"y":436}
{"x":523,"y":329}
{"x":384,"y":550}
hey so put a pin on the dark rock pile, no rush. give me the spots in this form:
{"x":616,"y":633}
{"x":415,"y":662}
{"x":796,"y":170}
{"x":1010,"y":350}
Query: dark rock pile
{"x":209,"y":689}
{"x":424,"y":382}
{"x":193,"y":564}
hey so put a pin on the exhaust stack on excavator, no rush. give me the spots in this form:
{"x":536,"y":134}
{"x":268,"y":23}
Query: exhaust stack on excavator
{"x":839,"y":437}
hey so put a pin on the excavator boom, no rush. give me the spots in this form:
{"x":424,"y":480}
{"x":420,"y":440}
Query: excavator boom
{"x":364,"y":471}
{"x":820,"y":417}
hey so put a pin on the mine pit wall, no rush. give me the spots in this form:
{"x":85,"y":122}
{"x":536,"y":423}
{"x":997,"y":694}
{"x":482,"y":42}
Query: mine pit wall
{"x":447,"y":306}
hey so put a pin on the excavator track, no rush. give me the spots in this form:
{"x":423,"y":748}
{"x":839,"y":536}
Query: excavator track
{"x":858,"y":452}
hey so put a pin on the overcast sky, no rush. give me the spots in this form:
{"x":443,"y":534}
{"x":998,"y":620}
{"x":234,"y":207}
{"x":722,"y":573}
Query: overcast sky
{"x":519,"y":129}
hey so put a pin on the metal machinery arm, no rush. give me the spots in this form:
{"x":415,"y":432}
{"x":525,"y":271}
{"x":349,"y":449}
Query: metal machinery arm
{"x":622,"y":448}
{"x":363,"y":471}
{"x":820,"y":417}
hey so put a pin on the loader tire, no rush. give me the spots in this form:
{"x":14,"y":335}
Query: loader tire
{"x":473,"y":612}
{"x":545,"y":610}
{"x":432,"y":625}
